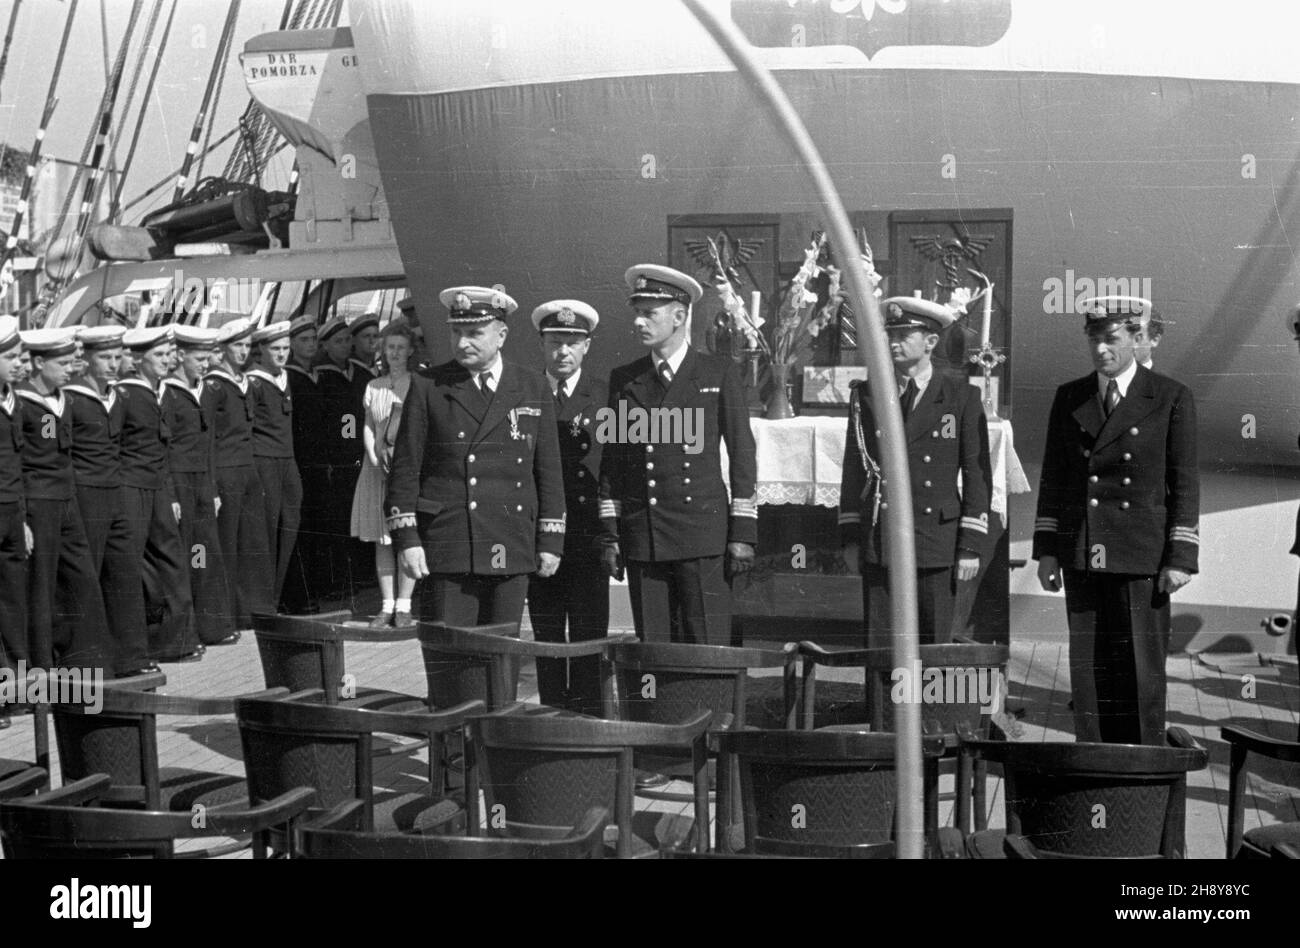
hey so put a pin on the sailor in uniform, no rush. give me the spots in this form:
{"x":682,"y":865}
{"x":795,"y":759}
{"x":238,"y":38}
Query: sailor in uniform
{"x":97,"y":414}
{"x":152,"y":507}
{"x":241,"y":521}
{"x":664,"y":506}
{"x":341,"y":448}
{"x":15,"y":535}
{"x":192,"y":449}
{"x":947,"y":440}
{"x":65,"y":608}
{"x":1117,"y":525}
{"x":273,"y":448}
{"x":365,"y":342}
{"x":577,"y":596}
{"x":306,"y":564}
{"x":475,"y":496}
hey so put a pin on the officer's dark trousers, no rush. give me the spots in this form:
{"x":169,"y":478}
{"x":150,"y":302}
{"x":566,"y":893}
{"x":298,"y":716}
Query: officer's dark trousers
{"x":308,"y":575}
{"x":1118,"y":625}
{"x":576,"y":596}
{"x":65,"y":611}
{"x":244,"y":547}
{"x":156,"y":542}
{"x":935,"y":595}
{"x":282,"y":490}
{"x":201,"y":546}
{"x":117,"y":564}
{"x":467,"y":599}
{"x":13,"y":585}
{"x":681,"y":601}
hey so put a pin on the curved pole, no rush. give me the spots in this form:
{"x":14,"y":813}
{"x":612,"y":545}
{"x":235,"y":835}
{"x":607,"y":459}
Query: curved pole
{"x":880,"y":371}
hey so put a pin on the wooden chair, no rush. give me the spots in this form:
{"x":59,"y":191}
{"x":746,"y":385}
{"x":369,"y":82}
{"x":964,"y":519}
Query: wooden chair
{"x":1264,"y":841}
{"x":24,"y":783}
{"x":298,"y":740}
{"x":829,"y":793}
{"x":337,"y":835}
{"x":961,"y":713}
{"x":66,"y":824}
{"x":667,"y":683}
{"x":41,"y":727}
{"x":120,"y":739}
{"x":1053,"y":791}
{"x":541,"y":772}
{"x":482,"y":663}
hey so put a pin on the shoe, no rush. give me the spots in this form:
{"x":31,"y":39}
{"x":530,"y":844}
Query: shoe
{"x":403,"y":620}
{"x":230,"y":639}
{"x":381,"y":621}
{"x":150,"y":669}
{"x":4,"y":720}
{"x":648,"y":780}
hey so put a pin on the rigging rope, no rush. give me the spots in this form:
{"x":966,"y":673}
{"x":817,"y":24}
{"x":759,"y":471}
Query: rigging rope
{"x":9,"y":38}
{"x":201,"y":118}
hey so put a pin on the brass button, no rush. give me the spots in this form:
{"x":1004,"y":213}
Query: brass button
{"x":686,"y":480}
{"x":582,"y":500}
{"x":460,"y":434}
{"x":582,"y":472}
{"x":473,"y":481}
{"x":518,"y":508}
{"x":470,"y":459}
{"x":649,"y":449}
{"x":884,"y":504}
{"x":1127,"y":481}
{"x":653,"y":501}
{"x":473,"y":505}
{"x":1127,"y":456}
{"x":929,"y":510}
{"x":650,"y":483}
{"x":1087,"y":453}
{"x":877,"y":432}
{"x":1133,"y":431}
{"x":1093,"y":502}
{"x":926,"y":459}
{"x":519,"y":460}
{"x":928,"y":484}
{"x":934,"y":434}
{"x":649,"y":465}
{"x":1124,"y":505}
{"x":1093,"y":479}
{"x":686,"y":464}
{"x":688,"y":500}
{"x":519,"y":483}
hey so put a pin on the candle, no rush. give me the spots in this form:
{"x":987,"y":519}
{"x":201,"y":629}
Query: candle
{"x":755,"y":301}
{"x":988,"y":315}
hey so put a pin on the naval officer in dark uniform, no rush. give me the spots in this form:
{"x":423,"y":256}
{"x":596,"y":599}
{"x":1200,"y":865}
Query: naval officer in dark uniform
{"x":268,"y":387}
{"x":97,"y":414}
{"x":1117,"y":524}
{"x":15,"y":535}
{"x":65,"y":609}
{"x":307,"y":564}
{"x":664,"y":506}
{"x":342,"y":386}
{"x":577,"y":596}
{"x":192,"y":450}
{"x":947,"y":438}
{"x":475,"y":496}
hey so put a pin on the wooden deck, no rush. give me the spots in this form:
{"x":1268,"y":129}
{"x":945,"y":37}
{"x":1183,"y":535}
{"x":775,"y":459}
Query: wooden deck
{"x":1201,"y":699}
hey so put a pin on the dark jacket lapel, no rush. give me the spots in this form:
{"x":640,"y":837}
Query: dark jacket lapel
{"x":462,"y":390}
{"x":927,"y":408}
{"x":645,"y":387}
{"x":684,"y":381}
{"x":1087,"y":406}
{"x":1132,"y":408}
{"x":504,"y":398}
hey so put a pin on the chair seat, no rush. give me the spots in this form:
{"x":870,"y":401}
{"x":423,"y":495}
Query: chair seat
{"x":183,"y":789}
{"x":1259,"y":842}
{"x":986,"y":844}
{"x":9,"y":768}
{"x":418,"y":813}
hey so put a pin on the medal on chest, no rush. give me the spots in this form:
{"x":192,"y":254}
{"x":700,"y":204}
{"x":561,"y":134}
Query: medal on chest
{"x":515,"y":433}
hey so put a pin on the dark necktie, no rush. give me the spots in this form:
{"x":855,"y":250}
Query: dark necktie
{"x":909,"y":396}
{"x":561,"y":397}
{"x":665,"y":374}
{"x":485,"y":384}
{"x":1112,"y":397}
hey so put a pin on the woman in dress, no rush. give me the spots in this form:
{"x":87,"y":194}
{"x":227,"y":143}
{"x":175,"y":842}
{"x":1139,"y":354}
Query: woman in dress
{"x":383,"y":408}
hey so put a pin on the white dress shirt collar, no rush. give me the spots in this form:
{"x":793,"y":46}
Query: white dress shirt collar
{"x":493,"y":372}
{"x":674,"y":361}
{"x":570,"y":384}
{"x":1122,"y":381}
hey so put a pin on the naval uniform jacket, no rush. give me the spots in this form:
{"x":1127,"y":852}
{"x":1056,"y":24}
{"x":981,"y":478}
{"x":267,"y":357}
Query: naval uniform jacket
{"x":272,"y":415}
{"x":485,"y":478}
{"x":232,"y":412}
{"x":12,"y":490}
{"x":580,"y":452}
{"x":307,"y":417}
{"x":342,"y":413}
{"x":193,"y":431}
{"x":146,"y":463}
{"x":96,"y":430}
{"x":659,"y":502}
{"x":1120,"y":494}
{"x":946,"y":433}
{"x":47,"y":445}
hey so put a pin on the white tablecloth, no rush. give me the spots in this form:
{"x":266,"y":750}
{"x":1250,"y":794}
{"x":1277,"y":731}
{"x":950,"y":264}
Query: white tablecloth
{"x":800,"y":461}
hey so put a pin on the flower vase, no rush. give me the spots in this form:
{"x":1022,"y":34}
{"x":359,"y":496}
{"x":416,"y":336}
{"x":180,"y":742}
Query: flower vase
{"x":778,"y":403}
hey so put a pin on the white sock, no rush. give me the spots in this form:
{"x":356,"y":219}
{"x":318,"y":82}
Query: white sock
{"x":404,"y":605}
{"x":386,"y":607}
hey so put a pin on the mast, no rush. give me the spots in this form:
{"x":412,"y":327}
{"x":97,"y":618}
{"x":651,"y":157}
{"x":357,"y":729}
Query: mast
{"x":200,"y":120}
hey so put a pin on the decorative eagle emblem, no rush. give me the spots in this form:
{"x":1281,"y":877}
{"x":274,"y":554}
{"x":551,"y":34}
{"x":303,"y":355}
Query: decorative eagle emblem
{"x":952,"y":253}
{"x":566,"y":316}
{"x":641,"y":283}
{"x":460,"y":303}
{"x":721,"y":256}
